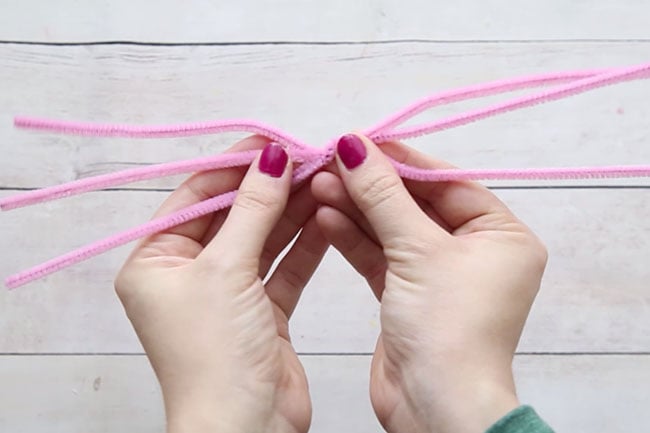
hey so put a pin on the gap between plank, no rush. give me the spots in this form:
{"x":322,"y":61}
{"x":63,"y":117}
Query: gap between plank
{"x":362,"y":42}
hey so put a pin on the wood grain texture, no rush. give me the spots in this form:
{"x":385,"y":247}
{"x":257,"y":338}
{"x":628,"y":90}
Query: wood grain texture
{"x":312,"y":20}
{"x":314,"y":92}
{"x":105,"y":394}
{"x":595,"y":296}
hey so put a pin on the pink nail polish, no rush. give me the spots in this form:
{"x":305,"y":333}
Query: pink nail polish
{"x":273,"y":160}
{"x":351,"y":150}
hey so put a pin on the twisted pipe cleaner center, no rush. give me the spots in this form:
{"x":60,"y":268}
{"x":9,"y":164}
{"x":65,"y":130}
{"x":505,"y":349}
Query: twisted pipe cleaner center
{"x":312,"y":159}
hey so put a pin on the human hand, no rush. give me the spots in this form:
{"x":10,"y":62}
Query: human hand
{"x":456,"y":273}
{"x":216,"y":335}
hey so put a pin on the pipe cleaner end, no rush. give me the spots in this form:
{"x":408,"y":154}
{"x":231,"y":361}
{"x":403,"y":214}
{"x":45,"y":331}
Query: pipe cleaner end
{"x":11,"y":283}
{"x":5,"y":205}
{"x":21,"y":122}
{"x":20,"y":279}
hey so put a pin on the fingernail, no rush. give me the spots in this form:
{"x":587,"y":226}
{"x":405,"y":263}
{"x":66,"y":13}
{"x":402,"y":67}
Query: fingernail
{"x":351,"y":150}
{"x":273,"y":160}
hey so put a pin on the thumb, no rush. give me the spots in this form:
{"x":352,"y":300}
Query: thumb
{"x":378,"y":191}
{"x":260,"y":202}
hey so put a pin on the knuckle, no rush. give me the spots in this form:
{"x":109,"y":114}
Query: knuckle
{"x":217,"y":263}
{"x":294,"y":278}
{"x":378,"y":190}
{"x":254,"y":200}
{"x":223,"y":267}
{"x":123,"y":284}
{"x":314,"y":248}
{"x":375,"y":270}
{"x":415,"y":248}
{"x":309,"y":250}
{"x":540,"y":254}
{"x":533,"y":253}
{"x":267,"y":257}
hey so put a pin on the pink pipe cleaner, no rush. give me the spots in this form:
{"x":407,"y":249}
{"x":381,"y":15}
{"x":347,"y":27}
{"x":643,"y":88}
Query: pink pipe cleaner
{"x":312,"y":159}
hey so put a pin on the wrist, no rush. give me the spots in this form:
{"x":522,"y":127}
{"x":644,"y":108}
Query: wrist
{"x":200,"y":418}
{"x":475,"y":408}
{"x":469,"y":402}
{"x":197,"y":423}
{"x":211,"y":414}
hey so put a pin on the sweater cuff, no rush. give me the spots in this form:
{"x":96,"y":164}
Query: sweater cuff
{"x":523,"y":419}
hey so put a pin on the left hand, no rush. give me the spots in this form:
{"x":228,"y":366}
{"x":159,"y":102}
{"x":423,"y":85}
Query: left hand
{"x":215,"y":334}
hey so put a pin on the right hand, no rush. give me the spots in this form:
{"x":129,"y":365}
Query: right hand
{"x":456,"y":274}
{"x":212,"y":314}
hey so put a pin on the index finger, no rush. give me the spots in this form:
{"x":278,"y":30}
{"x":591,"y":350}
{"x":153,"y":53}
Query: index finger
{"x":186,"y":238}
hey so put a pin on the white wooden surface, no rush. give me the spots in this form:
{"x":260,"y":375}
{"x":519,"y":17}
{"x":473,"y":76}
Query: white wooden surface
{"x":323,"y":91}
{"x":107,"y":394}
{"x":595,"y":296}
{"x":314,"y":20}
{"x":69,"y":361}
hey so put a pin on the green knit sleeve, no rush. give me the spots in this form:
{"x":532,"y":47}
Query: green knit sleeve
{"x":524,"y":419}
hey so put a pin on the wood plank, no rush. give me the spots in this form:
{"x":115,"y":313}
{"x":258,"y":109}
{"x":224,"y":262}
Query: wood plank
{"x":98,"y":394}
{"x":315,"y":92}
{"x":595,"y":296}
{"x":336,"y":20}
{"x":600,"y":394}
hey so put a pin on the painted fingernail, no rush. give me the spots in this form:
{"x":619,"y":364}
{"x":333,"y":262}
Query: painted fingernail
{"x":273,"y":160}
{"x":351,"y":150}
